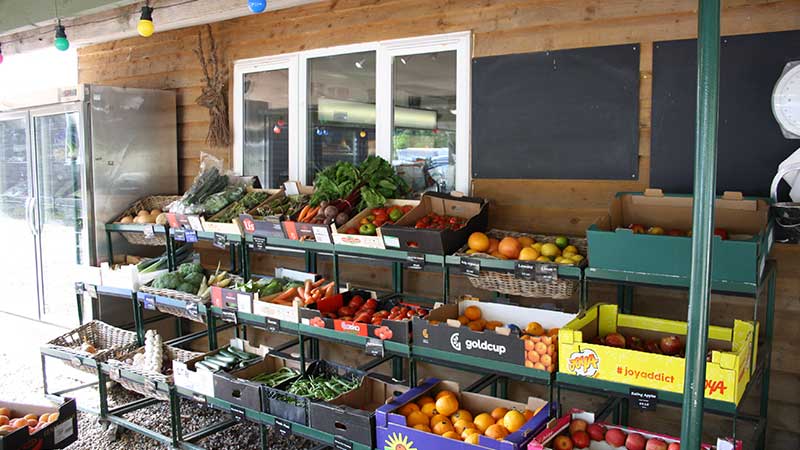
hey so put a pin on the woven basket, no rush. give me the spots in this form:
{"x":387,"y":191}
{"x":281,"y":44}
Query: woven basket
{"x":152,"y":202}
{"x":173,"y":354}
{"x":110,"y":342}
{"x":507,"y":283}
{"x":180,"y":310}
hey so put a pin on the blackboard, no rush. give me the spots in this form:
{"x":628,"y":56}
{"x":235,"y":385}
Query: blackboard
{"x":750,"y":142}
{"x":571,"y":114}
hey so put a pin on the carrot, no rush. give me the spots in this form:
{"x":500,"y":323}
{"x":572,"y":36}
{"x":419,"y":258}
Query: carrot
{"x":301,"y":292}
{"x":328,"y":288}
{"x":303,"y":212}
{"x":307,"y":288}
{"x":317,"y":295}
{"x":286,"y":295}
{"x":318,"y":283}
{"x":310,"y":214}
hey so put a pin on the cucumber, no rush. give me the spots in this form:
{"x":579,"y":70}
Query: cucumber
{"x":227,"y":354}
{"x":207,"y":365}
{"x":220,"y":361}
{"x":241,"y":354}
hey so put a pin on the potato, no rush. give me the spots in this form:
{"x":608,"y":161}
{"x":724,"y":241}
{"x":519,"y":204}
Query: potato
{"x":127,"y":219}
{"x":143,"y":212}
{"x":155,"y":212}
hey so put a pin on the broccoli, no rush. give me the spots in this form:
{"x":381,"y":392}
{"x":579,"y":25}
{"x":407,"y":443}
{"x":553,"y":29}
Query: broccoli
{"x":188,"y":288}
{"x":169,"y":280}
{"x":194,"y":278}
{"x":187,"y":268}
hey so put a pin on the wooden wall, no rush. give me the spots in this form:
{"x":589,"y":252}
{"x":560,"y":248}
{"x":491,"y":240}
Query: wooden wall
{"x":500,"y":27}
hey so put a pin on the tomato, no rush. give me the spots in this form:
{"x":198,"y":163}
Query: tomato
{"x":345,"y":311}
{"x":407,"y":208}
{"x":363,"y":317}
{"x":381,"y":314}
{"x":410,"y":313}
{"x":371,"y":304}
{"x":356,"y":302}
{"x":376,"y":320}
{"x":379,"y":211}
{"x":379,"y":221}
{"x":346,"y":318}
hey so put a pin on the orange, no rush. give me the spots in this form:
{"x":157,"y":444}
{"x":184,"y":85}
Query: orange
{"x":424,"y":400}
{"x":532,"y":356}
{"x":429,"y":409}
{"x":529,"y":343}
{"x":498,"y":255}
{"x":534,"y":328}
{"x":423,"y":427}
{"x":552,"y":331}
{"x":493,"y":245}
{"x":509,"y":247}
{"x":469,"y":431}
{"x":472,"y":438}
{"x":407,"y":409}
{"x":475,"y":325}
{"x":441,"y":427}
{"x":528,"y":364}
{"x":526,"y":241}
{"x":496,"y":431}
{"x":492,"y":324}
{"x":483,"y":421}
{"x":462,"y":414}
{"x":452,"y":435}
{"x":539,"y":366}
{"x":472,"y":312}
{"x":417,"y":418}
{"x":3,"y":420}
{"x":447,"y":405}
{"x":43,"y":418}
{"x":478,"y":242}
{"x":438,"y":418}
{"x":546,"y":360}
{"x":53,"y":417}
{"x":33,"y":422}
{"x":498,"y":413}
{"x":513,"y":420}
{"x":528,"y":414}
{"x":463,"y":320}
{"x":31,"y":417}
{"x":443,"y":393}
{"x":461,"y":424}
{"x":5,"y":412}
{"x":540,"y":348}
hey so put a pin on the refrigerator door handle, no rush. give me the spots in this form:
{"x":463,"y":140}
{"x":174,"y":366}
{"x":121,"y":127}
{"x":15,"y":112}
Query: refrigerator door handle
{"x":29,"y":214}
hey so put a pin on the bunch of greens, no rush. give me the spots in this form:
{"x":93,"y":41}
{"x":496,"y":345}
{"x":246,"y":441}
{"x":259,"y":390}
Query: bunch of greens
{"x":371,"y":183}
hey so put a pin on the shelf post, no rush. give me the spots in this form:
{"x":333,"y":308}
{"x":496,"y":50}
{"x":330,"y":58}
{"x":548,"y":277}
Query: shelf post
{"x":768,"y":335}
{"x":708,"y":31}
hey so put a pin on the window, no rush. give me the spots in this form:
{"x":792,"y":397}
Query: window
{"x":405,"y":100}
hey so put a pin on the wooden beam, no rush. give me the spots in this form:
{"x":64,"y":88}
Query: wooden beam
{"x":20,"y":15}
{"x":120,"y":23}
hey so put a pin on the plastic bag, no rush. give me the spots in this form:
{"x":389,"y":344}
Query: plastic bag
{"x":211,"y":180}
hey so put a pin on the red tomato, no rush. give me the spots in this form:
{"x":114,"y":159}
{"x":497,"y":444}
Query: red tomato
{"x":410,"y":313}
{"x":347,"y":318}
{"x":407,"y":208}
{"x":379,"y":221}
{"x":345,"y":311}
{"x":356,"y":302}
{"x":377,"y":320}
{"x":371,"y":304}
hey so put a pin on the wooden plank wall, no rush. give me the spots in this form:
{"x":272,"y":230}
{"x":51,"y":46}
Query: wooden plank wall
{"x":166,"y":61}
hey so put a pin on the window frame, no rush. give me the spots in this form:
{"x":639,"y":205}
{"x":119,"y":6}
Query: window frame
{"x":385,"y":52}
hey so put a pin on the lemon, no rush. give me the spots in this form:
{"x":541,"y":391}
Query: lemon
{"x":543,"y":259}
{"x":537,"y":246}
{"x":567,"y":254}
{"x":550,"y":250}
{"x":528,"y":254}
{"x":577,"y":258}
{"x":562,"y":260}
{"x":571,"y":249}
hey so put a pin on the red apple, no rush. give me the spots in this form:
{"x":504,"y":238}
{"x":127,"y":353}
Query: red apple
{"x":635,"y":343}
{"x":614,"y":340}
{"x":562,"y":442}
{"x":581,"y":439}
{"x":577,"y":425}
{"x":670,"y":345}
{"x":615,"y":437}
{"x":635,"y":441}
{"x":636,"y":228}
{"x":596,"y":432}
{"x":721,"y":232}
{"x":652,"y":347}
{"x":656,"y":444}
{"x":674,"y":446}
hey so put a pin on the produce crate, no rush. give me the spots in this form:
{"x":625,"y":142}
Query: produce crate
{"x":150,"y":203}
{"x":237,"y":387}
{"x":352,"y":416}
{"x":249,"y":302}
{"x":560,"y":427}
{"x":741,"y":258}
{"x":442,"y":331}
{"x":359,"y":240}
{"x":390,"y":330}
{"x":187,"y":375}
{"x":126,"y":276}
{"x":509,"y":283}
{"x":270,"y":226}
{"x":110,"y":342}
{"x":178,"y":303}
{"x":57,"y":434}
{"x":392,"y":431}
{"x":148,"y":387}
{"x":403,"y":236}
{"x":733,"y":352}
{"x":295,"y":408}
{"x":214,"y":224}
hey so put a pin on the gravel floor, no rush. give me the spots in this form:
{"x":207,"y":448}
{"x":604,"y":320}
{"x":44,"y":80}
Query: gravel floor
{"x":20,"y":370}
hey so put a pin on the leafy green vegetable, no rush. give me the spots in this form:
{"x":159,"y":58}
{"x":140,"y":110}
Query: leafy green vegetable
{"x":375,"y":177}
{"x":188,"y":268}
{"x":169,"y":280}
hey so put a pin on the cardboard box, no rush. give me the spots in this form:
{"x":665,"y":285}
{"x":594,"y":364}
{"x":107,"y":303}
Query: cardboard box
{"x":251,"y":303}
{"x":295,"y":408}
{"x":741,"y":258}
{"x":727,"y":374}
{"x":504,"y":344}
{"x":390,"y":330}
{"x":352,"y":415}
{"x":392,"y":430}
{"x":127,"y":276}
{"x":58,"y":434}
{"x":236,"y":387}
{"x":185,"y":374}
{"x":543,"y":440}
{"x":360,"y":240}
{"x":403,"y":235}
{"x":213,"y":224}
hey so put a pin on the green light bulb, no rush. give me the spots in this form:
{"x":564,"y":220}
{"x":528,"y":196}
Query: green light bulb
{"x":61,"y":41}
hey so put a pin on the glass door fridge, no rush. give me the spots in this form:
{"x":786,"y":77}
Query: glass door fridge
{"x":19,"y":264}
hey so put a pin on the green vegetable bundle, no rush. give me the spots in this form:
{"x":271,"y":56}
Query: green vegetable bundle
{"x":287,"y":205}
{"x":226,"y":359}
{"x":374,"y":180}
{"x":266,"y":287}
{"x":241,"y":206}
{"x":323,"y":387}
{"x":276,"y":378}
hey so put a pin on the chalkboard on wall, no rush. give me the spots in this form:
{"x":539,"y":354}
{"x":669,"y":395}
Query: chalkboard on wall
{"x":750,"y":142}
{"x":569,"y":114}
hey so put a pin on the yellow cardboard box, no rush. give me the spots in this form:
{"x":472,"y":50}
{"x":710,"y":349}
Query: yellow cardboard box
{"x":727,"y":374}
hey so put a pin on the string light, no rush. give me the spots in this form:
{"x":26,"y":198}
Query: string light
{"x":362,"y":134}
{"x":145,"y":26}
{"x":257,"y":6}
{"x":1,"y":54}
{"x":61,"y":41}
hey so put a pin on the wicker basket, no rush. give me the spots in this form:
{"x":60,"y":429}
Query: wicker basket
{"x":182,"y":298}
{"x":173,"y":354}
{"x":507,"y":283}
{"x":110,"y":342}
{"x":149,"y":203}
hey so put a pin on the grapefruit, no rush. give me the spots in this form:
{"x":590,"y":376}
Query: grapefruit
{"x":417,"y":418}
{"x":509,"y":247}
{"x":478,"y":241}
{"x":493,"y":244}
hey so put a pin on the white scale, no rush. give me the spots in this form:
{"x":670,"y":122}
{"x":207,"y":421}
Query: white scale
{"x":786,"y":109}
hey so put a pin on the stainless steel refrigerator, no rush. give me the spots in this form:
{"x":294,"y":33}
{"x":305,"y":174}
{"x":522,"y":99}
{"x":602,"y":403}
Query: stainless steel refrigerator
{"x":68,"y":165}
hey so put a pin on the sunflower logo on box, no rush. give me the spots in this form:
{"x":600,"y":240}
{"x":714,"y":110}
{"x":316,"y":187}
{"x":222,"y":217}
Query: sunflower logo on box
{"x":397,"y":441}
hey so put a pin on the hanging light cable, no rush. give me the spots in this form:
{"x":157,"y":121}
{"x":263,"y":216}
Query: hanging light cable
{"x":145,"y":26}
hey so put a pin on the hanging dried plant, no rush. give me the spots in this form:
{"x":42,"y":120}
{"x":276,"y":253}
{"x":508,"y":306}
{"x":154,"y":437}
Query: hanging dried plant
{"x":215,"y":73}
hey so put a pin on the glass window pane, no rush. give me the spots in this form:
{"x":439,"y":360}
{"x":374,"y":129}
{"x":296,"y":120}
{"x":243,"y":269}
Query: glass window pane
{"x":341,"y":110}
{"x":424,"y":135}
{"x":266,"y":127}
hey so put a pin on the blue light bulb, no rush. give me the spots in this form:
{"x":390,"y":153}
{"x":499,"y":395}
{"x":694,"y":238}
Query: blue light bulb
{"x":257,"y":6}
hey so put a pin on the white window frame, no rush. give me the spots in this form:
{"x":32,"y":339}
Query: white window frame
{"x":386,"y":51}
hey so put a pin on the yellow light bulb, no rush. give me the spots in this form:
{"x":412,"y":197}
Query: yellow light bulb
{"x":145,"y":28}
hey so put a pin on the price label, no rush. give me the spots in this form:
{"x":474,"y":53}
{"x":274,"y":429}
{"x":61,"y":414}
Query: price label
{"x":244,"y":302}
{"x":340,"y":443}
{"x":149,"y":232}
{"x":192,"y":310}
{"x":374,"y":347}
{"x":191,"y":236}
{"x":283,"y":427}
{"x":179,"y":234}
{"x":644,"y":399}
{"x":238,"y":412}
{"x":259,"y":242}
{"x":273,"y":325}
{"x":415,"y":261}
{"x":247,"y":222}
{"x":229,"y":315}
{"x":149,"y":302}
{"x":471,"y":267}
{"x":525,"y":270}
{"x":220,"y":240}
{"x":546,"y":273}
{"x":91,"y":290}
